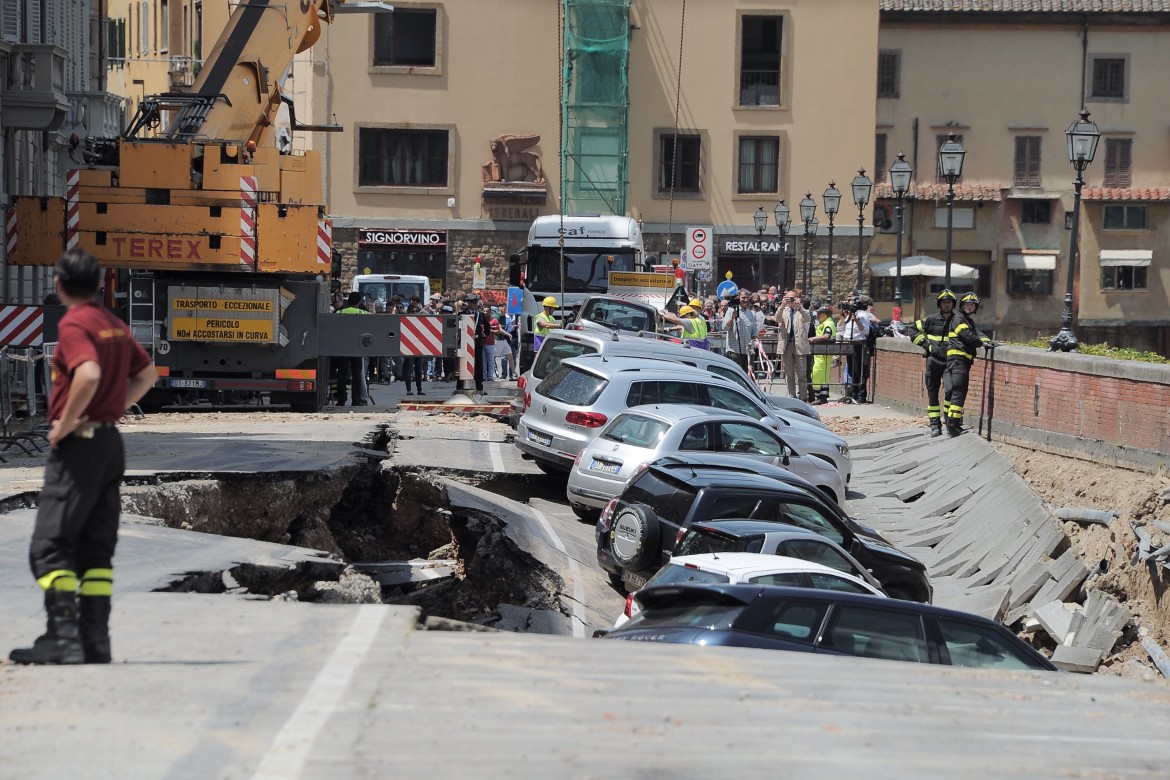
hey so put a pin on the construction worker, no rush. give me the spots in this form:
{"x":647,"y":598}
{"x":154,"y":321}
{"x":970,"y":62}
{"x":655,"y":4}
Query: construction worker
{"x":962,"y":341}
{"x":543,"y":322}
{"x":352,"y":370}
{"x":98,"y":371}
{"x":694,"y":327}
{"x":704,"y":342}
{"x":826,"y":333}
{"x":931,"y":333}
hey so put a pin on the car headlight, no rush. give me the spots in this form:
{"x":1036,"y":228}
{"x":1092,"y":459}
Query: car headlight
{"x":843,"y":449}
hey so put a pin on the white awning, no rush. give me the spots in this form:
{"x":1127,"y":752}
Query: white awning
{"x":923,"y":265}
{"x":1138,"y":257}
{"x":1031,"y":262}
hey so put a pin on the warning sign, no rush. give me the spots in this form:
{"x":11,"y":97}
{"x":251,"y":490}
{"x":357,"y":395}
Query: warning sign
{"x":226,"y":314}
{"x":631,"y":279}
{"x":699,"y":248}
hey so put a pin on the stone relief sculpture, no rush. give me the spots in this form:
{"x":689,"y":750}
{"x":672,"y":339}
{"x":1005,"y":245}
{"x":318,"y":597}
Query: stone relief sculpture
{"x":511,"y":163}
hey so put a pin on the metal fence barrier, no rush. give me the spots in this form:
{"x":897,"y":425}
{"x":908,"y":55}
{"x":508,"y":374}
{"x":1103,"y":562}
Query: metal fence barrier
{"x":19,"y":396}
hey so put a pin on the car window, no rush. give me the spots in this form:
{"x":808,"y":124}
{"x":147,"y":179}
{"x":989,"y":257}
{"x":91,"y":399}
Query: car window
{"x":671,"y":500}
{"x":826,"y":581}
{"x":748,"y":438}
{"x":982,"y":647}
{"x":876,"y":633}
{"x":745,"y":505}
{"x":697,"y":438}
{"x":809,"y":517}
{"x":636,"y":430}
{"x":788,"y":579}
{"x":700,"y":540}
{"x":552,"y":352}
{"x":734,"y":376}
{"x":797,"y":620}
{"x":732,"y":401}
{"x":673,"y":573}
{"x":687,"y":614}
{"x":571,"y":385}
{"x":817,"y":551}
{"x":619,"y":315}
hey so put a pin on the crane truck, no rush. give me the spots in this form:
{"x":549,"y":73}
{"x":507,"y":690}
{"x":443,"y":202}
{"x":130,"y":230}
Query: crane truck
{"x":220,"y":240}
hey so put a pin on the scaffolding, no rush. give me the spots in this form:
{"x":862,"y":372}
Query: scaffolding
{"x":595,"y":111}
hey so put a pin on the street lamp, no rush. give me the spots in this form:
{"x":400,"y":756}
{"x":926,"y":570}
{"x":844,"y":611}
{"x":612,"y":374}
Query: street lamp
{"x":1082,"y":136}
{"x":950,"y":164}
{"x":781,"y":213}
{"x":862,"y":187}
{"x":761,"y":220}
{"x":808,"y":210}
{"x":900,"y":173}
{"x":832,"y":197}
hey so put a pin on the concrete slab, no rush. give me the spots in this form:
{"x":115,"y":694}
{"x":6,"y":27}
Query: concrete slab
{"x":1076,"y":659}
{"x":1055,"y":619}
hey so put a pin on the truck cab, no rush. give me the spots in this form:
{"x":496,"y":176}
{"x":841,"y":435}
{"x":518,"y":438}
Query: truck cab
{"x":383,"y":287}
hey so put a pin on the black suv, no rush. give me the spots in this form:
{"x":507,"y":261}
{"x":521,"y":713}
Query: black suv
{"x":824,"y":621}
{"x":638,"y":530}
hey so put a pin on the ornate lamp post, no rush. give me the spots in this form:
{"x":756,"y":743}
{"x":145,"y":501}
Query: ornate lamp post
{"x":1082,"y":136}
{"x":862,"y":187}
{"x":900,"y":173}
{"x":808,"y":210}
{"x":761,"y":220}
{"x":832,"y":198}
{"x":950,"y":164}
{"x":781,"y":213}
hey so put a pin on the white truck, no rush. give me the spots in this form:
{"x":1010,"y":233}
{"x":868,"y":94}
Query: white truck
{"x":383,"y":287}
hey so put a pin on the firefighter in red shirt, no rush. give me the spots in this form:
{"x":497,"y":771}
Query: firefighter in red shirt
{"x":98,"y":371}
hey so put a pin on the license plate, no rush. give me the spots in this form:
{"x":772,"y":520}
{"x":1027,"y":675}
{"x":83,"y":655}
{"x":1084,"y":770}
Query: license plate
{"x":633,"y":581}
{"x":540,"y":438}
{"x":196,"y":383}
{"x":605,"y":466}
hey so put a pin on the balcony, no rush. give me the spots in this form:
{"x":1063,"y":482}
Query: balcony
{"x":95,"y":114}
{"x":182,"y":71}
{"x":759,"y":88}
{"x":33,"y":91}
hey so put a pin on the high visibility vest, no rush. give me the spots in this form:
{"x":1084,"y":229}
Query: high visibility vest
{"x":544,"y":323}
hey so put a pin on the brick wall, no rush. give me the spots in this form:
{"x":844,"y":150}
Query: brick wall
{"x":1114,"y":411}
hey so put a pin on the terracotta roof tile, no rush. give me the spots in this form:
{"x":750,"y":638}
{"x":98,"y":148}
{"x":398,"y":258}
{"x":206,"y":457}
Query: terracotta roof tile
{"x":938,"y":191}
{"x":1029,"y":6}
{"x":1125,"y":193}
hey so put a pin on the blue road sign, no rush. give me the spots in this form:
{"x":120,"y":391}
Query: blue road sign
{"x":728,"y":288}
{"x":515,"y":300}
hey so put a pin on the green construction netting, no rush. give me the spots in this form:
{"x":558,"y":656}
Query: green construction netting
{"x":595,"y":145}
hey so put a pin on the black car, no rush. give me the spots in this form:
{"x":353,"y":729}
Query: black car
{"x":824,"y":621}
{"x":638,"y":530}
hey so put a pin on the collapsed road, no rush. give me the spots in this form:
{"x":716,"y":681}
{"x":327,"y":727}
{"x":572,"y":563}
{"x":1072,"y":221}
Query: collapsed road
{"x":219,"y":679}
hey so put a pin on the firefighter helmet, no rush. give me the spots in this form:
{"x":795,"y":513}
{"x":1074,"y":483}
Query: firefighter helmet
{"x":550,"y":302}
{"x":970,"y":298}
{"x":946,"y":295}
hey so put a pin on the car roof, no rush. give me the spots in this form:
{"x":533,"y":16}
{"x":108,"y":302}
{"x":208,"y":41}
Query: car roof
{"x":738,"y":527}
{"x":674,"y":413}
{"x":719,"y":476}
{"x":618,"y":364}
{"x":732,"y":463}
{"x":747,"y":563}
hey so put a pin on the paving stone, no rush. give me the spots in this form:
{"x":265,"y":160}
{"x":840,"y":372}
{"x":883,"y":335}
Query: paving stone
{"x":1055,"y":619}
{"x":1077,"y":659}
{"x":1027,"y":583}
{"x":1072,"y":575}
{"x":989,"y":602}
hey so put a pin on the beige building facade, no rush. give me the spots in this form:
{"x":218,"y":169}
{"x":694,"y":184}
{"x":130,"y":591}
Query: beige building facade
{"x":1008,"y":82}
{"x":763,"y":115}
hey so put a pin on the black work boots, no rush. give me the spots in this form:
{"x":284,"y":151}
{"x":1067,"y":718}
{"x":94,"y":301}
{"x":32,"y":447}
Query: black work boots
{"x":935,"y":428}
{"x":95,"y":628}
{"x":954,"y":428}
{"x":61,"y":642}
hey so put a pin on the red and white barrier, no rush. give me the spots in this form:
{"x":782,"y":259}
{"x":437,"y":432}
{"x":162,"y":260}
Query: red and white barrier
{"x":22,"y":326}
{"x":467,"y":347}
{"x":248,"y":222}
{"x":72,"y":207}
{"x":420,"y":336}
{"x":325,"y":242}
{"x":10,"y":236}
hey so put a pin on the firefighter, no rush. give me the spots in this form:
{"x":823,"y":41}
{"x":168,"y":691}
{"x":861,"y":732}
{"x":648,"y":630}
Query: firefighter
{"x":962,"y":341}
{"x":826,"y":333}
{"x":543,"y":322}
{"x":931,"y":333}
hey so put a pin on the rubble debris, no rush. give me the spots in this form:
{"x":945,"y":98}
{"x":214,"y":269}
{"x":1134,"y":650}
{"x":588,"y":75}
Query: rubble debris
{"x":352,"y":587}
{"x":1156,"y":653}
{"x":1085,"y":515}
{"x":1093,"y":631}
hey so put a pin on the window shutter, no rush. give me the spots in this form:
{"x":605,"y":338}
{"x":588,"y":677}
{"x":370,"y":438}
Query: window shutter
{"x":1124,"y":162}
{"x":1020,"y":173}
{"x":34,"y":22}
{"x":10,"y":21}
{"x":1033,"y":161}
{"x":879,"y":158}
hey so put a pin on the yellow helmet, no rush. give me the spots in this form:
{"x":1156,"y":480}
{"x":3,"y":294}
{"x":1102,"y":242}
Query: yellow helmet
{"x":685,"y":310}
{"x":696,"y":303}
{"x":549,"y":301}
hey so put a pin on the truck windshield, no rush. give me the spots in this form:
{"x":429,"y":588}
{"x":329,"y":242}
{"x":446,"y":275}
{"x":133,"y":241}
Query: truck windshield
{"x":384,"y":291}
{"x":586,"y":271}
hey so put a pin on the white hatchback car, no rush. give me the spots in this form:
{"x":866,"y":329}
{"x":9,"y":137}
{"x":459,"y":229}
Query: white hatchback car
{"x":749,"y":568}
{"x":645,"y":433}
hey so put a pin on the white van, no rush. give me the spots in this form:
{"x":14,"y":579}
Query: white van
{"x":383,"y":287}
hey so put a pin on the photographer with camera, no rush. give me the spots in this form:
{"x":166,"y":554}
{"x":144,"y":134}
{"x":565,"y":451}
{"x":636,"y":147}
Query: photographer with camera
{"x":740,"y":327}
{"x":792,"y":326}
{"x":854,"y":328}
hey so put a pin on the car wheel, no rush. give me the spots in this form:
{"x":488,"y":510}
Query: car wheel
{"x":634,"y":539}
{"x":829,"y":494}
{"x":586,"y":514}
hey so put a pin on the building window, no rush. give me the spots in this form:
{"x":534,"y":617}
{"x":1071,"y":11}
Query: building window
{"x":1108,"y":78}
{"x":1036,"y":212}
{"x":1123,"y":277}
{"x":405,"y":37}
{"x":939,"y":140}
{"x":1122,"y":217}
{"x":164,"y":26}
{"x":879,"y":158}
{"x":399,"y":158}
{"x":759,"y":160}
{"x":888,"y":73}
{"x":684,"y":155}
{"x":1023,"y":281}
{"x":1118,"y":162}
{"x":116,"y":41}
{"x":759,"y":67}
{"x":1027,"y":165}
